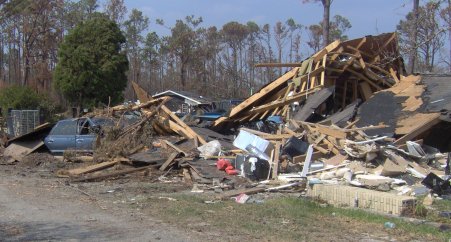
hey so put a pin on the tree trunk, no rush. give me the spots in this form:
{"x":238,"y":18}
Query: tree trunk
{"x":326,"y":22}
{"x":449,"y":31}
{"x":183,"y":74}
{"x":413,"y":53}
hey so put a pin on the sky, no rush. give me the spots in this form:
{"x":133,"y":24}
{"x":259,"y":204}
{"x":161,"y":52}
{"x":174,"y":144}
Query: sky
{"x":368,"y":17}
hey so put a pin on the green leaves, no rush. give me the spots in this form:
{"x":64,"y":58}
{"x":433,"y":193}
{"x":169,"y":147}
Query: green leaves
{"x":18,"y":97}
{"x":91,"y":66}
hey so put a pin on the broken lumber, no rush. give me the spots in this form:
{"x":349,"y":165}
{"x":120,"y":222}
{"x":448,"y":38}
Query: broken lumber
{"x":113,"y":174}
{"x":175,"y":147}
{"x":169,"y":161}
{"x":144,"y":97}
{"x":237,"y":192}
{"x":140,"y":106}
{"x":88,"y":169}
{"x":93,"y":168}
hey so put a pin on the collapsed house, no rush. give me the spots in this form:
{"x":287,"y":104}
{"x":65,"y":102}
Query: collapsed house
{"x":351,"y":70}
{"x":355,"y":131}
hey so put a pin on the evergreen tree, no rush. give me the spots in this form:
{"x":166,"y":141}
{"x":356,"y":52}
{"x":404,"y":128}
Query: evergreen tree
{"x":91,"y":66}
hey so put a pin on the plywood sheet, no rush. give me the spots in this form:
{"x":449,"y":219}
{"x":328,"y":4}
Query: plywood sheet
{"x":19,"y":149}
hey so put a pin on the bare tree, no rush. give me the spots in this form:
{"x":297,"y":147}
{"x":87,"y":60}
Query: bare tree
{"x":430,"y":36}
{"x":280,"y":35}
{"x":413,"y":53}
{"x":116,"y":10}
{"x":326,"y":19}
{"x":445,"y":13}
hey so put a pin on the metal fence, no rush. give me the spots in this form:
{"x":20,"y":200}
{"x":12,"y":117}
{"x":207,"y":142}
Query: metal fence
{"x":21,"y":122}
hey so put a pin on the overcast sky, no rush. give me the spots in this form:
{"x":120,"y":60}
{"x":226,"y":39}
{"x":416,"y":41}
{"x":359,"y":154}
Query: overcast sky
{"x":368,"y":17}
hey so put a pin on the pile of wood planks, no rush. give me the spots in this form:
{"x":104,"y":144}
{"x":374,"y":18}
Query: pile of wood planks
{"x":356,"y":68}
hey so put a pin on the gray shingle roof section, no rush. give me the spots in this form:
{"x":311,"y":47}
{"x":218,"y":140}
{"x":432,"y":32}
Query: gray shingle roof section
{"x":437,"y":96}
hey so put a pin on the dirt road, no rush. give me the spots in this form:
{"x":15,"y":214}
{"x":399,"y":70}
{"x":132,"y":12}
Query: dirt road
{"x":46,"y":209}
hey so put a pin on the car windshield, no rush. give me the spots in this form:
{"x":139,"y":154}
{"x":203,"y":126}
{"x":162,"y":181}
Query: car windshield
{"x":65,"y":127}
{"x":103,"y":121}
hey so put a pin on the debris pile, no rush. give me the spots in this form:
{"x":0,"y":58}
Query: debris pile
{"x":350,"y":121}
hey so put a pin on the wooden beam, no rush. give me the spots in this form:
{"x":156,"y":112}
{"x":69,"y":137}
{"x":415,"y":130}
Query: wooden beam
{"x":320,"y":54}
{"x":321,"y":149}
{"x":363,"y":77}
{"x":345,"y":90}
{"x":175,"y":147}
{"x":142,"y":105}
{"x":253,"y":117}
{"x":380,"y":126}
{"x":88,"y":169}
{"x":378,"y":69}
{"x":313,"y":78}
{"x":275,"y":169}
{"x":236,"y":192}
{"x":360,"y":51}
{"x":285,"y":111}
{"x":323,"y":74}
{"x":288,"y":100}
{"x":336,"y":53}
{"x":355,"y":90}
{"x":276,"y":136}
{"x":144,"y":97}
{"x":169,"y":161}
{"x":289,"y":131}
{"x":301,"y":158}
{"x":267,"y":136}
{"x":252,"y":99}
{"x":356,"y":54}
{"x":182,"y":124}
{"x":264,"y":114}
{"x":327,"y":130}
{"x":113,"y":174}
{"x":362,"y":62}
{"x":394,"y":75}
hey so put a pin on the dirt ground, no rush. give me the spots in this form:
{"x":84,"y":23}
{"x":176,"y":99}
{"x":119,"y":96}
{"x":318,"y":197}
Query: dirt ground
{"x":35,"y":205}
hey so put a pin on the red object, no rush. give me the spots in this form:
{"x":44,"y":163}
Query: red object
{"x":222,"y":164}
{"x":225,"y":165}
{"x":231,"y":171}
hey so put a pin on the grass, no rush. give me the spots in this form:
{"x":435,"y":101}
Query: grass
{"x":438,"y":206}
{"x":285,"y":219}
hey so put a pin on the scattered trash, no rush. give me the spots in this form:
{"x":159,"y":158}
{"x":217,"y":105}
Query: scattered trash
{"x":389,"y":225}
{"x":242,"y":198}
{"x":168,"y":198}
{"x":445,"y":214}
{"x":209,"y":149}
{"x":437,"y":184}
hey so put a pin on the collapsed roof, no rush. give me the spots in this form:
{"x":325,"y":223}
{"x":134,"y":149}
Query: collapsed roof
{"x":357,"y":68}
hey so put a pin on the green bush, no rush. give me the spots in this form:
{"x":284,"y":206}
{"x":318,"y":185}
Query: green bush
{"x":18,"y":97}
{"x":25,"y":98}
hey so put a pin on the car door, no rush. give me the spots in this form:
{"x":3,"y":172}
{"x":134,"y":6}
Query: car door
{"x":62,"y":136}
{"x":85,"y":136}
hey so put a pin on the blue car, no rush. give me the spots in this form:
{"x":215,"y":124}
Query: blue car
{"x":78,"y":134}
